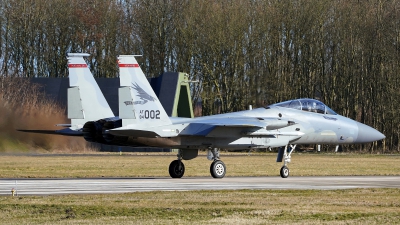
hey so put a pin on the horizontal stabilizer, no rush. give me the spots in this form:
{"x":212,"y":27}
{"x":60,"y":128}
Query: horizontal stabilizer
{"x":65,"y":132}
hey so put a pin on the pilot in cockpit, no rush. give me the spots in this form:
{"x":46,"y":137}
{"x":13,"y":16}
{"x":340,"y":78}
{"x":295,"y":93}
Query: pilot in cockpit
{"x":314,"y":107}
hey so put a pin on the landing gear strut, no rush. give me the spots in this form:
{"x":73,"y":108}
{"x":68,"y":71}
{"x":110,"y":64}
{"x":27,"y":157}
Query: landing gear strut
{"x":177,"y":168}
{"x":217,"y":168}
{"x":284,"y":172}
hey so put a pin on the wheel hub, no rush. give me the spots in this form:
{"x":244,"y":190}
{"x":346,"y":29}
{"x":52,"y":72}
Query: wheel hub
{"x":219,"y":169}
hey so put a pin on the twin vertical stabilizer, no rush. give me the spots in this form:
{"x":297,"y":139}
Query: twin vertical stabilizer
{"x":86,"y":102}
{"x":138,"y":104}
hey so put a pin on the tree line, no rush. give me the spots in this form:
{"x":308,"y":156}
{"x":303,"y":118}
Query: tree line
{"x":242,"y":52}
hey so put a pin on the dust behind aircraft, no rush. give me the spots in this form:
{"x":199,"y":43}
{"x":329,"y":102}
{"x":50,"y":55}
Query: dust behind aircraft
{"x":144,"y":122}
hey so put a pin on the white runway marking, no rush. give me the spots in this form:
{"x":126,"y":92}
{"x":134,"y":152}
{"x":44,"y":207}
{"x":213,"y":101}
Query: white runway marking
{"x":124,"y":185}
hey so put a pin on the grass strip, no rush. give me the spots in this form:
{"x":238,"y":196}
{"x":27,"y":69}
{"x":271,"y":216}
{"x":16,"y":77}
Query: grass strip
{"x":360,"y":206}
{"x":133,"y":165}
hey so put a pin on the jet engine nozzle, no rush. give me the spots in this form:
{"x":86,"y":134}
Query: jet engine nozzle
{"x":112,"y":139}
{"x":92,"y":131}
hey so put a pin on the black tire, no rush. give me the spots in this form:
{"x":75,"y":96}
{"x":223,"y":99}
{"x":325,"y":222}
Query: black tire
{"x":284,"y":172}
{"x":218,"y":169}
{"x":176,"y":169}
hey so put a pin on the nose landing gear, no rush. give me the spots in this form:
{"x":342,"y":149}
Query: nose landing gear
{"x":285,"y":154}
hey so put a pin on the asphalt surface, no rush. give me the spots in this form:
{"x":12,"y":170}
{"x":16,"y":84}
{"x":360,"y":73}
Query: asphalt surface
{"x":125,"y":185}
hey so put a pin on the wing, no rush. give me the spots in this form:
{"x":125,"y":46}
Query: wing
{"x":211,"y":127}
{"x":219,"y":127}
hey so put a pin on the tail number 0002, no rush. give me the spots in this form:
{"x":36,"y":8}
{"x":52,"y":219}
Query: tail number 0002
{"x":150,"y":114}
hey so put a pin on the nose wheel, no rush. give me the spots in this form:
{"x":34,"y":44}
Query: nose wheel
{"x":284,"y":172}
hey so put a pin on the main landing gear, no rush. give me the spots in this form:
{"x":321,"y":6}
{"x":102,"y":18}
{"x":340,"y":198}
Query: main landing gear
{"x":217,"y":168}
{"x":285,"y":155}
{"x":176,"y":168}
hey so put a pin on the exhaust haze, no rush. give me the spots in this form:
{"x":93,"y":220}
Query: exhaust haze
{"x":23,"y":106}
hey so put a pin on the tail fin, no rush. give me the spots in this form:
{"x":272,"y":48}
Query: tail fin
{"x":86,"y":102}
{"x":138,"y":104}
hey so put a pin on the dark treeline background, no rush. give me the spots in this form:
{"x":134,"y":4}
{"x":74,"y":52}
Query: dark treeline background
{"x":244,"y":52}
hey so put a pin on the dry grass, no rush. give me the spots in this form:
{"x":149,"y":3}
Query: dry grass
{"x":355,"y":206}
{"x":24,"y":106}
{"x":156,"y":165}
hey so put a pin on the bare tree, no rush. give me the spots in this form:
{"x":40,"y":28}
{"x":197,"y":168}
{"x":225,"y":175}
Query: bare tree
{"x":345,"y":53}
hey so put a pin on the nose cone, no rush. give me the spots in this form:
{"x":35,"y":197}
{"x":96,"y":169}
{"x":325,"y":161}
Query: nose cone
{"x":368,"y":134}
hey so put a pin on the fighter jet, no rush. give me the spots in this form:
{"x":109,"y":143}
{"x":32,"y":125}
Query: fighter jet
{"x":300,"y":121}
{"x":143,"y":121}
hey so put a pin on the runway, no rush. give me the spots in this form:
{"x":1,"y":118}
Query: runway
{"x":125,"y":185}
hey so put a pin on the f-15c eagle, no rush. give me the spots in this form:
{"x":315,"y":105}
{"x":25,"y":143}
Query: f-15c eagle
{"x":144,"y":122}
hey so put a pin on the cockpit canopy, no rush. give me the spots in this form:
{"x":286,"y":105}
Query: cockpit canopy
{"x":307,"y":104}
